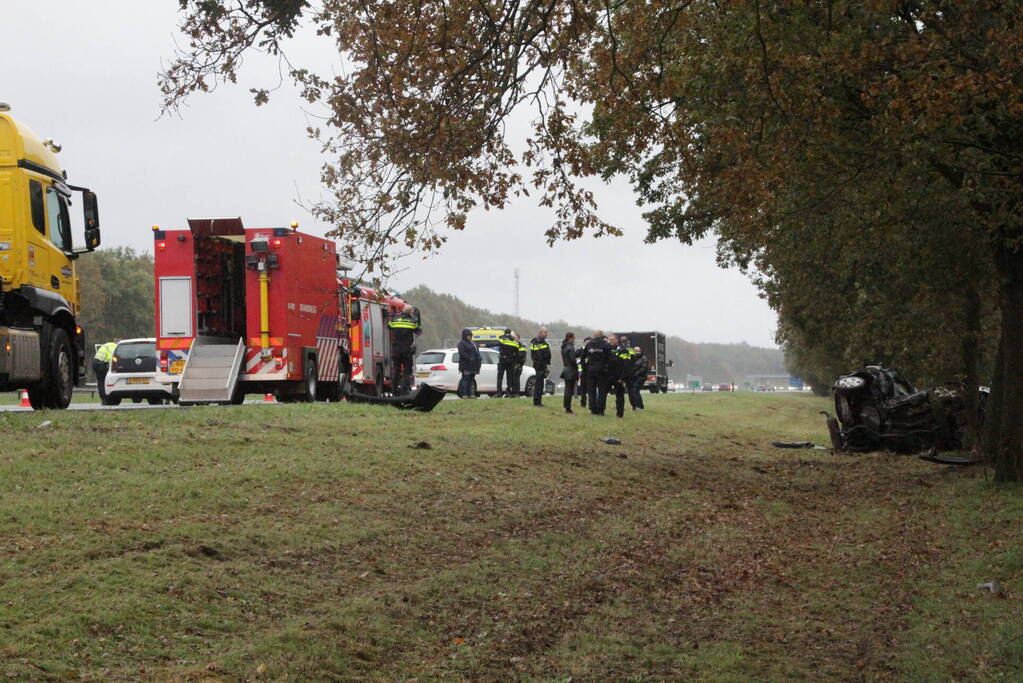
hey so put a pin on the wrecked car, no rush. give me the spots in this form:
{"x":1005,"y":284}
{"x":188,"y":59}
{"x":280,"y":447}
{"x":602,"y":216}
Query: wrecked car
{"x":879,"y":409}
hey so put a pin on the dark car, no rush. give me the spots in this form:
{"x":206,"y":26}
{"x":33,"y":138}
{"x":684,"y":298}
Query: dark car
{"x":879,"y":409}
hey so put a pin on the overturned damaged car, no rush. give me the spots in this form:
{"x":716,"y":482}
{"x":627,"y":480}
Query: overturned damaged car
{"x":879,"y":409}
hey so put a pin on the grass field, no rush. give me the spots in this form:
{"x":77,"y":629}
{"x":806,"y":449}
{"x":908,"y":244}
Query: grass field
{"x":311,"y":542}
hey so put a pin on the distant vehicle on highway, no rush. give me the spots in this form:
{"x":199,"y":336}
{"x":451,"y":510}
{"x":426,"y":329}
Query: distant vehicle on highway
{"x":724,"y":387}
{"x":439,"y":368}
{"x":654,"y":348}
{"x":132,"y":374}
{"x":707,"y":387}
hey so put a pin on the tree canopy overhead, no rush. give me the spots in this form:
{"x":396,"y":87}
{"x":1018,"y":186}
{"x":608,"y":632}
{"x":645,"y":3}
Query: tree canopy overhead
{"x":766,"y":122}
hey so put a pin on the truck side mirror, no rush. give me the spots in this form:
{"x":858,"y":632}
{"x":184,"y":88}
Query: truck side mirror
{"x":90,"y":209}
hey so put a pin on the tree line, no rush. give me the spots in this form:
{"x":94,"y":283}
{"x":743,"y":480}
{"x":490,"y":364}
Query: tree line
{"x":861,"y":159}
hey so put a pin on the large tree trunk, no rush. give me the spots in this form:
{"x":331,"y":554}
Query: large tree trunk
{"x":970,"y":359}
{"x":1004,"y":434}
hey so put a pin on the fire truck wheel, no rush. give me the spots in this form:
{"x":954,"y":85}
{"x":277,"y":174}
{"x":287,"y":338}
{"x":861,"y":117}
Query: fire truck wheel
{"x":310,"y":381}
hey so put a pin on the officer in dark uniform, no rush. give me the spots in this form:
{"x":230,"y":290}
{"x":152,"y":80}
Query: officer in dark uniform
{"x":509,"y":352}
{"x":628,"y":367}
{"x":596,"y":355}
{"x":580,"y":360}
{"x":404,"y":330}
{"x":520,"y":361}
{"x":640,"y":367}
{"x":570,"y":373}
{"x":616,"y":371}
{"x":541,"y":353}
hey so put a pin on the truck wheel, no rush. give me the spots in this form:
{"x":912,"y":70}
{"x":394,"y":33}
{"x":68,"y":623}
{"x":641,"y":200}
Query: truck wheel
{"x":310,"y":381}
{"x":58,"y":383}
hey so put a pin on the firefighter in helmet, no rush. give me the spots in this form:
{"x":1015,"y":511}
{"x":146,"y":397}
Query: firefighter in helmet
{"x":404,"y":329}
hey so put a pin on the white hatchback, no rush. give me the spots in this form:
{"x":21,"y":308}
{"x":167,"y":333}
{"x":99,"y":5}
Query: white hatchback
{"x":439,"y":368}
{"x":132,"y":374}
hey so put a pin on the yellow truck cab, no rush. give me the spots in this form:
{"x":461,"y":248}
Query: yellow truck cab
{"x":42,"y":348}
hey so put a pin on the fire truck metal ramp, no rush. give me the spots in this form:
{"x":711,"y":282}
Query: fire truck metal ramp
{"x":211,"y":371}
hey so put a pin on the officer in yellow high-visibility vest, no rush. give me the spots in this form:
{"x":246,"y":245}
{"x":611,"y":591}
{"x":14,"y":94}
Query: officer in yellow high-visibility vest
{"x":101,"y":364}
{"x":404,"y":330}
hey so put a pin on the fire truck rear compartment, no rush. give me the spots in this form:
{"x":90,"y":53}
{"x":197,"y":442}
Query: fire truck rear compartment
{"x":220,"y":286}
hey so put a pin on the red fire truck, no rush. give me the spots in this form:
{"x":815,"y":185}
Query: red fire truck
{"x":262,"y":310}
{"x":369,"y":338}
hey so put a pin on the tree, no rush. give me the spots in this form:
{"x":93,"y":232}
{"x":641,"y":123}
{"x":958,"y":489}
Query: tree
{"x":117,"y":288}
{"x":745,"y":118}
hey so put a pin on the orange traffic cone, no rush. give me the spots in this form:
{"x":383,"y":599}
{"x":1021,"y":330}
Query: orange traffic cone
{"x":25,"y":403}
{"x":269,"y":398}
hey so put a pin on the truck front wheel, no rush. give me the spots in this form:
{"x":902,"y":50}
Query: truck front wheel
{"x":57,"y":384}
{"x":310,"y":380}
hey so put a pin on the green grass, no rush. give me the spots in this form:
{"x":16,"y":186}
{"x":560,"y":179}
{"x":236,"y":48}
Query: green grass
{"x":315,"y":542}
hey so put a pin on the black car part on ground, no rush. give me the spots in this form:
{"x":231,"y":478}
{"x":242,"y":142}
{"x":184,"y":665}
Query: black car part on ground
{"x":879,"y":409}
{"x":424,"y":399}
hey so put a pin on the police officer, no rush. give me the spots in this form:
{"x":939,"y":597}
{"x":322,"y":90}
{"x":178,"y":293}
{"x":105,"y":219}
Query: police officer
{"x":541,"y":354}
{"x":596,"y":355}
{"x":640,"y":368}
{"x":404,"y":329}
{"x":469,"y":362}
{"x":580,"y":360}
{"x":628,"y":368}
{"x":620,"y":355}
{"x":101,"y":365}
{"x":571,"y":373}
{"x":520,"y":361}
{"x":509,"y":353}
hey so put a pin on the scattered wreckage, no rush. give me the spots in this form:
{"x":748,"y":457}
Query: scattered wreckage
{"x":879,"y":409}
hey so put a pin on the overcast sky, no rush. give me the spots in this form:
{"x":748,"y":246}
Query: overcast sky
{"x":84,"y":73}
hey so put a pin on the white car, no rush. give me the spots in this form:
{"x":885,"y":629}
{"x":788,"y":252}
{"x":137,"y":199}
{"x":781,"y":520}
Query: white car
{"x":439,"y":368}
{"x":132,"y":374}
